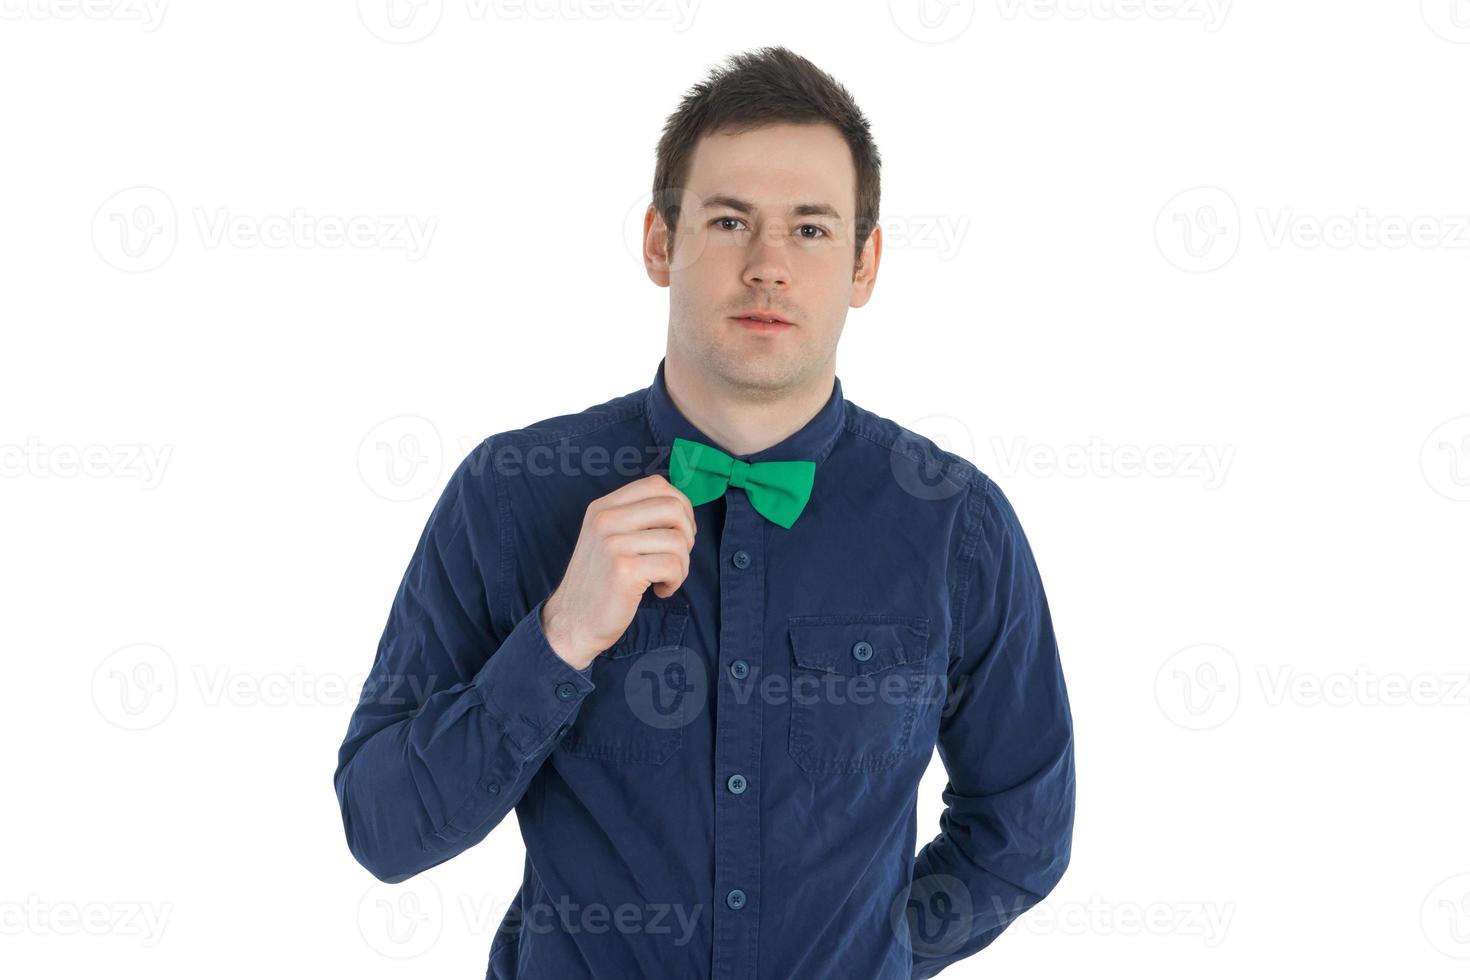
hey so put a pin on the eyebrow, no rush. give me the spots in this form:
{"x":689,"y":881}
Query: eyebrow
{"x":795,"y":211}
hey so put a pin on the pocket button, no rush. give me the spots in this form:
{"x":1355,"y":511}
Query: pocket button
{"x":855,"y":681}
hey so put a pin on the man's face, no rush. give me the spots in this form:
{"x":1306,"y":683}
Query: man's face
{"x":740,"y":246}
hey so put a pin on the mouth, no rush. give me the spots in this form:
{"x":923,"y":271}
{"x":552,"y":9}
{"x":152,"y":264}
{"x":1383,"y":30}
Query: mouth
{"x":762,"y":322}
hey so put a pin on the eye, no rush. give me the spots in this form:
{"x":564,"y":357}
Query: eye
{"x":817,"y":228}
{"x":726,"y":218}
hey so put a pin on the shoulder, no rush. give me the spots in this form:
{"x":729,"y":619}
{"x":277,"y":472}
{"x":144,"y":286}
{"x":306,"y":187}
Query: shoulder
{"x":581,"y":424}
{"x":509,"y":452}
{"x":920,"y":464}
{"x":927,"y":470}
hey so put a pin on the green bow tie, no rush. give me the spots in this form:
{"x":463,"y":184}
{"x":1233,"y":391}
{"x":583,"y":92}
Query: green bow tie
{"x":778,"y":489}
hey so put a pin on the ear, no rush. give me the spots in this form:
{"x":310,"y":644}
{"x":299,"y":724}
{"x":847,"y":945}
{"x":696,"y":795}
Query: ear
{"x":656,"y":258}
{"x":865,"y":276}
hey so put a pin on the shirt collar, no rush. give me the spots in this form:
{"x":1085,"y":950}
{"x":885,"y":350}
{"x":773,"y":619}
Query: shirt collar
{"x":812,"y":441}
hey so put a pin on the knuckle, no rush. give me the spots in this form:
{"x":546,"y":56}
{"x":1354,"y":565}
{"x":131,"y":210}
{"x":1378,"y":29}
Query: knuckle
{"x":599,"y":522}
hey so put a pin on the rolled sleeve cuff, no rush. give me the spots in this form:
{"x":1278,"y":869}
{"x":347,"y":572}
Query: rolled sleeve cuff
{"x":529,"y":689}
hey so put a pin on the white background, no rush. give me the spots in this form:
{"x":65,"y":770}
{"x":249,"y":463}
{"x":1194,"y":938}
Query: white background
{"x":1227,"y":239}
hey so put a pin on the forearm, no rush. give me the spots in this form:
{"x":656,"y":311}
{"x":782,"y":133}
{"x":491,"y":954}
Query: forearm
{"x":993,"y":859}
{"x":419,"y":789}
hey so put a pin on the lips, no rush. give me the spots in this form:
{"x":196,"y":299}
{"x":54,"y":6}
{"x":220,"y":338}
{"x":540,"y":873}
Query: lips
{"x":763,"y":316}
{"x":752,"y":326}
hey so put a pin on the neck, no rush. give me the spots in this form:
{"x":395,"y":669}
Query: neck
{"x":744,"y":419}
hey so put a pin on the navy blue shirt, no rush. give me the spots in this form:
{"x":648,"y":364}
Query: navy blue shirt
{"x":729,"y":790}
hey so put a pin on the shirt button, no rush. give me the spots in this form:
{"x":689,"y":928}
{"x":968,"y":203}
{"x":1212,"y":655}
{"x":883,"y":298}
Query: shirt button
{"x":735,"y":899}
{"x":493,"y":787}
{"x":736,"y":784}
{"x":560,"y":732}
{"x":566,"y":690}
{"x":862,"y":650}
{"x":741,"y":559}
{"x":739,"y":669}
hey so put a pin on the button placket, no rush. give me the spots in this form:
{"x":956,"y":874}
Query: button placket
{"x":738,"y":737}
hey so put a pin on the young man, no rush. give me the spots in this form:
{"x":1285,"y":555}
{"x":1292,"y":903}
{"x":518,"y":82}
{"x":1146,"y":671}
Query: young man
{"x":705,"y":637}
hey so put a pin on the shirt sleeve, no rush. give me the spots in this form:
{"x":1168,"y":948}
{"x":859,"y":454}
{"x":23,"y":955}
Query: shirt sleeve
{"x":457,"y":715}
{"x":1005,"y":739}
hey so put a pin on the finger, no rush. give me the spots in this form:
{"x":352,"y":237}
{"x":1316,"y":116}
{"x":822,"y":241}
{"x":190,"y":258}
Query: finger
{"x":665,"y":572}
{"x":652,"y":541}
{"x":651,"y":512}
{"x":649,"y":486}
{"x":653,"y":485}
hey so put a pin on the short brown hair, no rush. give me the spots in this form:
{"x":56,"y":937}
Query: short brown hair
{"x":755,"y":88}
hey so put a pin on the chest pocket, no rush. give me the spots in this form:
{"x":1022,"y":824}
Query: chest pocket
{"x":855,"y":685}
{"x":644,"y":696}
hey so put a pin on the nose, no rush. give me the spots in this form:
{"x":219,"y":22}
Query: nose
{"x":766,"y":265}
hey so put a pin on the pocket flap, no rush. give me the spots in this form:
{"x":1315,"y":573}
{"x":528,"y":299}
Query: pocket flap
{"x":657,"y":623}
{"x":857,"y":644}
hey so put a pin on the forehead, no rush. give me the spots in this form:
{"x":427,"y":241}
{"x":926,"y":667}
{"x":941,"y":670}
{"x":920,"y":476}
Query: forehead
{"x":776,"y":165}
